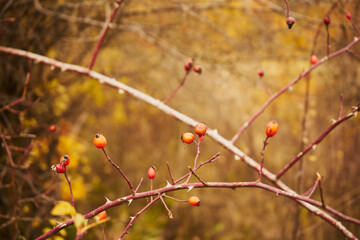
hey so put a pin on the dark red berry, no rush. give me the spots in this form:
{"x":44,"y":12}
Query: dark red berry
{"x":327,"y":20}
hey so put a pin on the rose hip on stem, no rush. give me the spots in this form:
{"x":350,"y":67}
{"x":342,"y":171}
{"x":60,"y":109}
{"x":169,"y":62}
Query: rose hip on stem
{"x":327,"y":20}
{"x":290,"y":21}
{"x":313,"y":59}
{"x":271,"y":129}
{"x":261,"y":73}
{"x":100,"y":142}
{"x":187,"y":138}
{"x":151,"y":174}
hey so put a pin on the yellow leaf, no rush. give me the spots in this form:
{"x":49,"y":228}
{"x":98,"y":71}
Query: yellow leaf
{"x":63,"y":208}
{"x":79,"y":220}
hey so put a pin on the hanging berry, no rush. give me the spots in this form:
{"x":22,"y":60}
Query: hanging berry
{"x":194,"y":201}
{"x":187,"y":138}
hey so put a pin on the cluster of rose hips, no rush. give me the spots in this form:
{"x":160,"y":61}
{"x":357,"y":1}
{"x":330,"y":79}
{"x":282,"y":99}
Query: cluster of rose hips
{"x":190,"y":65}
{"x":200,"y":130}
{"x":61,"y":166}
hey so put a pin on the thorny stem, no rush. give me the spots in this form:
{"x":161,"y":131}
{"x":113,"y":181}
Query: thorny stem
{"x":317,"y":141}
{"x":284,"y":89}
{"x":102,"y":37}
{"x":71,"y":193}
{"x":262,"y":158}
{"x":166,"y":207}
{"x":121,"y":172}
{"x":136,"y":216}
{"x":178,"y":87}
{"x":231,"y":185}
{"x":227,"y":144}
{"x":168,"y":167}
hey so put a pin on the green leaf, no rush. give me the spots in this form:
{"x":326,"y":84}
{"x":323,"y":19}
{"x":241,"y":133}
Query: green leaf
{"x":63,"y":208}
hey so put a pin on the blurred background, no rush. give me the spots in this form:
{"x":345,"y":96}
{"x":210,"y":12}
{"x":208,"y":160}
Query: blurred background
{"x":146,"y":48}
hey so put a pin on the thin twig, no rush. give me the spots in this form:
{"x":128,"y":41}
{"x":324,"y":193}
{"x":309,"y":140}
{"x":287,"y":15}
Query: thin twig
{"x":311,"y":191}
{"x":168,"y":167}
{"x":341,"y":105}
{"x":231,"y":185}
{"x":229,"y":145}
{"x":196,"y":158}
{"x":321,"y":195}
{"x":264,"y":86}
{"x":166,"y":207}
{"x":327,"y":41}
{"x":136,"y":216}
{"x":177,"y":89}
{"x":262,"y":158}
{"x":287,"y":8}
{"x":151,"y":188}
{"x":103,"y":230}
{"x":317,"y":141}
{"x":71,"y":192}
{"x":138,"y":186}
{"x":284,"y":89}
{"x":121,"y":172}
{"x":175,"y":199}
{"x":193,"y":172}
{"x":102,"y":37}
{"x":213,"y":158}
{"x":9,"y":155}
